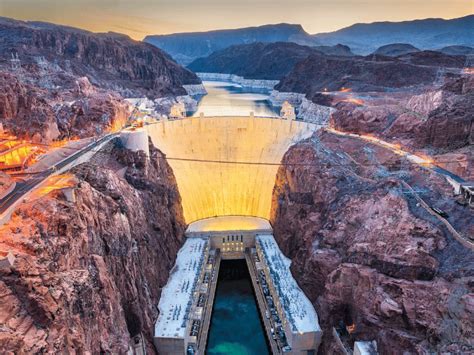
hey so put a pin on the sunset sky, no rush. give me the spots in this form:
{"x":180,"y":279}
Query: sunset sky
{"x":138,"y":18}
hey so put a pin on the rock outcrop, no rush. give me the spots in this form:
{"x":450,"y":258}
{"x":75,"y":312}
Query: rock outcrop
{"x":396,"y":49}
{"x":365,"y":74}
{"x":367,"y":254}
{"x":438,"y":121}
{"x":24,"y":110}
{"x":88,"y":273}
{"x":38,"y":114}
{"x":110,"y":61}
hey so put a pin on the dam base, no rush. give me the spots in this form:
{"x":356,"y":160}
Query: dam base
{"x":290,"y":322}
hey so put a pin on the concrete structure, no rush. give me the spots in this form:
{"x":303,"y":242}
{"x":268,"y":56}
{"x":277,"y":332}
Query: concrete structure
{"x":177,"y":300}
{"x":226,"y":166}
{"x":178,"y":110}
{"x":295,"y":311}
{"x":365,"y":348}
{"x":287,"y":111}
{"x":135,"y":139}
{"x":187,"y":299}
{"x":231,"y":235}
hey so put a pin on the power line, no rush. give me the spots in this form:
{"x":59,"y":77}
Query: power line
{"x":284,"y":164}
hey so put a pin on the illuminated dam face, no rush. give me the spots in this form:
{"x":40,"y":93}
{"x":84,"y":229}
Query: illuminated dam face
{"x":228,"y":178}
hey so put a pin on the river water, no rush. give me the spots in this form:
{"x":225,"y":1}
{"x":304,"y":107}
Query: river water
{"x":229,"y":99}
{"x":236,"y":328}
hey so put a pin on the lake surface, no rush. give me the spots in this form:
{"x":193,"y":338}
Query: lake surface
{"x":236,"y":328}
{"x":229,"y":99}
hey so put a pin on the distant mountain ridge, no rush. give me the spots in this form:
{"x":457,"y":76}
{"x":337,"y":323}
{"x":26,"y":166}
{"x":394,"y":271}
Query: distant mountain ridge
{"x":396,"y":49}
{"x":362,"y":38}
{"x":186,"y":47}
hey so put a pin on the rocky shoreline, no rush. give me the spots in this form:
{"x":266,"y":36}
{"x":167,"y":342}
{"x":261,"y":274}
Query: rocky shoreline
{"x":250,"y":83}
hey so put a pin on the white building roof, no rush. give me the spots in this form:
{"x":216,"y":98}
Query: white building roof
{"x":176,"y":297}
{"x":298,"y":308}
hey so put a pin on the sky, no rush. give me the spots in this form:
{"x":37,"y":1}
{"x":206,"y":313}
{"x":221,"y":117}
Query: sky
{"x":138,"y":18}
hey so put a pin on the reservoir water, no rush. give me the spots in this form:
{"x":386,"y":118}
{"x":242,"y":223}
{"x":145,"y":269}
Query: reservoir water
{"x":229,"y":99}
{"x":236,"y":328}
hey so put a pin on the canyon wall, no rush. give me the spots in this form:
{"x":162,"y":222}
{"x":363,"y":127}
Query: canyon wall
{"x":440,"y":121}
{"x":88,"y":273}
{"x":367,"y":254}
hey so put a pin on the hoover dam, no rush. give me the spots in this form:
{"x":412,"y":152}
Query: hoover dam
{"x":224,"y":166}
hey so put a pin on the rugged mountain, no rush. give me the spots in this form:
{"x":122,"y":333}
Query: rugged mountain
{"x":35,"y":113}
{"x":457,"y":50}
{"x":337,"y":50}
{"x":186,"y":47}
{"x":440,"y":118}
{"x":62,"y":82}
{"x":317,"y":73}
{"x":367,"y":254}
{"x":109,"y":60}
{"x":371,"y":73}
{"x":88,"y":273}
{"x":269,"y":61}
{"x":395,"y":49}
{"x":365,"y":38}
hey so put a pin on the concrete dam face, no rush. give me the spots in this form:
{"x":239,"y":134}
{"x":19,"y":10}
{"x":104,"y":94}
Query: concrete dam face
{"x":226,"y":166}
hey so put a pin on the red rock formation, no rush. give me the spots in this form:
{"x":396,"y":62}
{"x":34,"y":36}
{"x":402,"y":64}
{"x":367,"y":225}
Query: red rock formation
{"x":93,"y":115}
{"x":110,"y":60}
{"x":366,"y":253}
{"x":34,"y":113}
{"x":440,"y":121}
{"x":88,"y":274}
{"x":24,"y":111}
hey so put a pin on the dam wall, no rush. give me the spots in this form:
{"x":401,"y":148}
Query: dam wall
{"x":226,"y":165}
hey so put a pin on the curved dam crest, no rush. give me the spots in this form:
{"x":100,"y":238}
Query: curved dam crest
{"x":223,"y":171}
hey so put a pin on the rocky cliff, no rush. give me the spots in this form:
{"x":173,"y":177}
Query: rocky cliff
{"x":59,"y":82}
{"x":109,"y":60}
{"x":367,"y":254}
{"x":438,"y":121}
{"x":366,"y":74}
{"x":88,"y":273}
{"x":35,"y":113}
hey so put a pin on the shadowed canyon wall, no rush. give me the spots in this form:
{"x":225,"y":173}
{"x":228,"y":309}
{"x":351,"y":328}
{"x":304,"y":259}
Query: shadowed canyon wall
{"x":89,"y":273}
{"x":367,"y":254}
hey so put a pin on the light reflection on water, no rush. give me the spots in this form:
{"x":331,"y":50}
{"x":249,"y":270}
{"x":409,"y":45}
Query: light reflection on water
{"x":229,"y":99}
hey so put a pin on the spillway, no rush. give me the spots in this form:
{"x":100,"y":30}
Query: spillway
{"x":226,"y":166}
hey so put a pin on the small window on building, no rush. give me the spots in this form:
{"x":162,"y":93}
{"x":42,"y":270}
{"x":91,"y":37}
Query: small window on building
{"x":223,"y":240}
{"x":232,"y":238}
{"x":241,"y":238}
